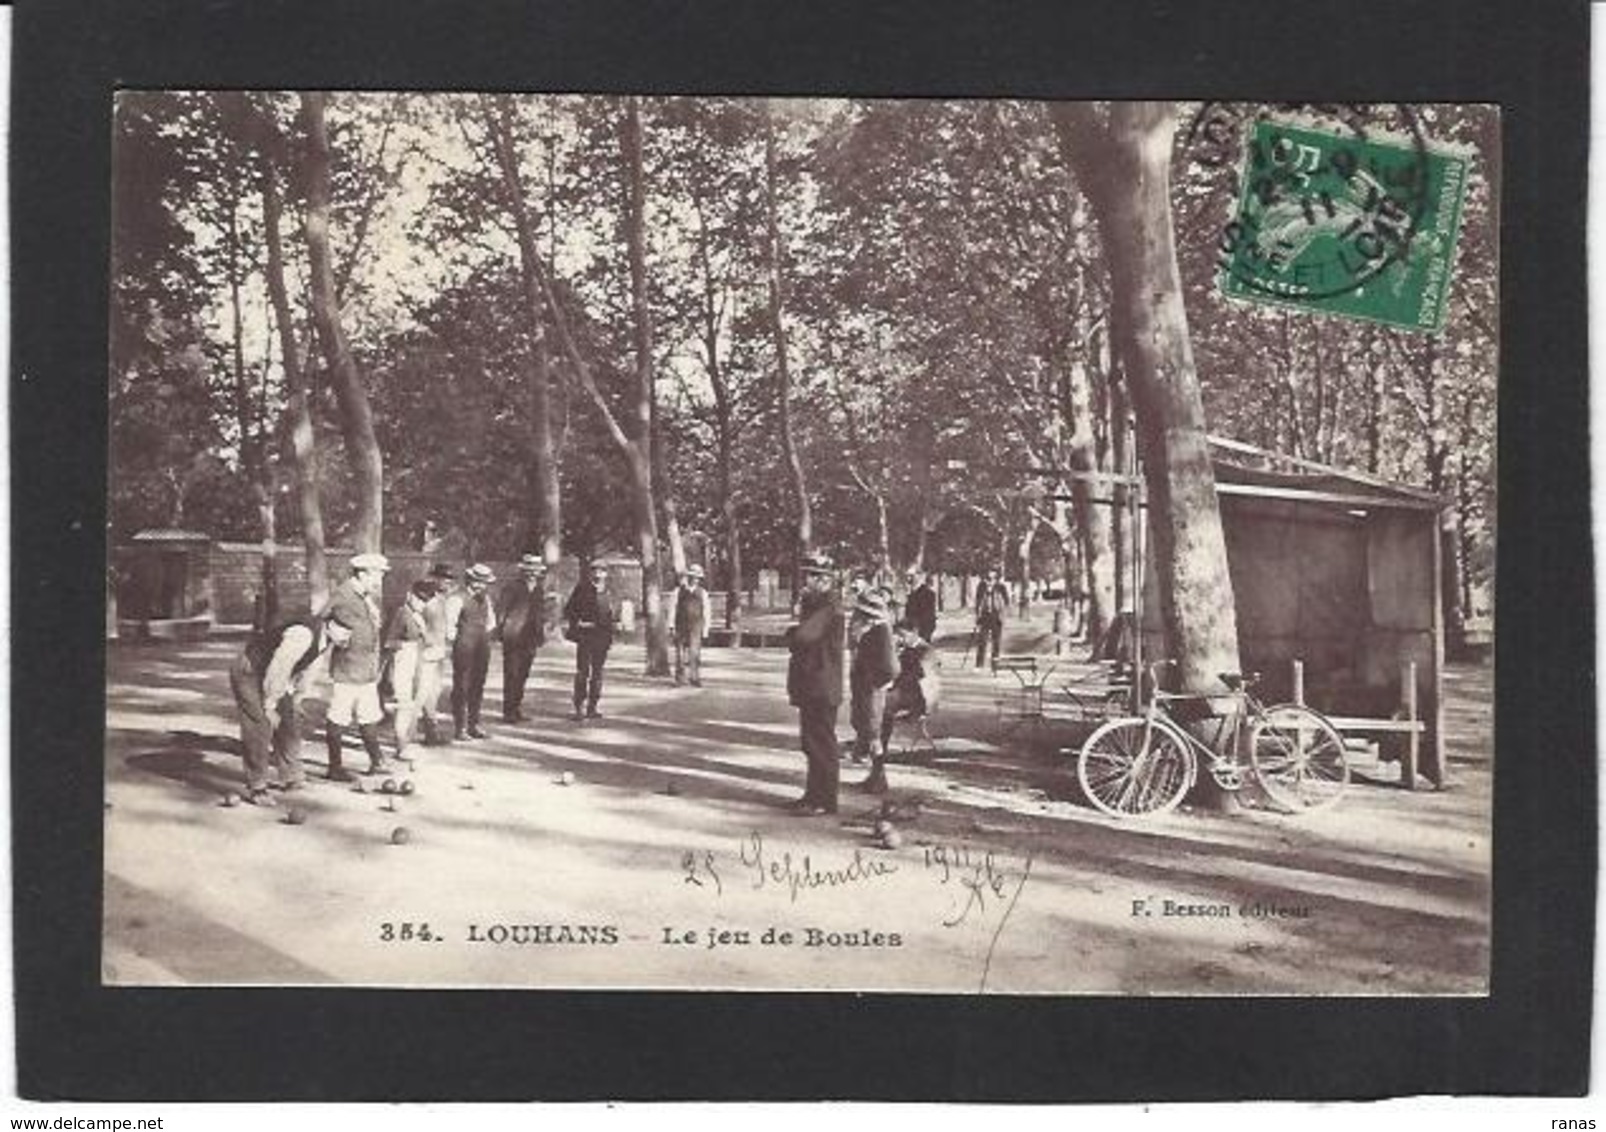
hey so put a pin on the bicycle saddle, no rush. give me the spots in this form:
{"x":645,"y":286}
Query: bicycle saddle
{"x":1237,"y":681}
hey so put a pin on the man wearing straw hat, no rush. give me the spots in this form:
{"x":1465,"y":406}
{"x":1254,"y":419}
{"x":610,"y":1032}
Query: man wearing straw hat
{"x":814,"y":684}
{"x":873,"y":668}
{"x":470,"y":623}
{"x":523,"y":608}
{"x":691,"y":618}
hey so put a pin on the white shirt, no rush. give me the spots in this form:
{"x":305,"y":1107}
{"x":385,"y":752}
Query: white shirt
{"x":277,"y":680}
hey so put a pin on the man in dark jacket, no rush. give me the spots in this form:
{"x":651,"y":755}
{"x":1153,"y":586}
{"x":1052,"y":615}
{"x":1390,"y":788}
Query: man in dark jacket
{"x":873,"y":667}
{"x":814,"y":685}
{"x":921,"y":610}
{"x":523,"y":609}
{"x":992,"y":603}
{"x":354,"y":666}
{"x":470,"y":623}
{"x":591,"y":617}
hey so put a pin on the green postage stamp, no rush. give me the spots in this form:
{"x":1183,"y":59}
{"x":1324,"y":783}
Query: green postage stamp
{"x":1346,"y":225}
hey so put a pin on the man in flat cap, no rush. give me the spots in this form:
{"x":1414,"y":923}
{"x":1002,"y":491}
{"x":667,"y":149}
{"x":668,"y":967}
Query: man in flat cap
{"x":590,"y":616}
{"x":523,"y":609}
{"x":470,"y":623}
{"x":689,"y":625}
{"x":354,"y":666}
{"x":814,"y":684}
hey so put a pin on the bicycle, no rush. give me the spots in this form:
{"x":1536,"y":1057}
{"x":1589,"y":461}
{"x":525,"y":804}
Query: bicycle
{"x":1145,"y":764}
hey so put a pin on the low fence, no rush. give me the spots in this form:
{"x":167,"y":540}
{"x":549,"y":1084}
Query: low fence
{"x":222,"y":582}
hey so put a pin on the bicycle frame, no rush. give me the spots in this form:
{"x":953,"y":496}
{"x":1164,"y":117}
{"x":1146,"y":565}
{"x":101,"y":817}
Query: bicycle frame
{"x":1148,"y":761}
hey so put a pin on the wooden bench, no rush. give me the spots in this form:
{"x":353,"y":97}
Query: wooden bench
{"x":1412,"y":726}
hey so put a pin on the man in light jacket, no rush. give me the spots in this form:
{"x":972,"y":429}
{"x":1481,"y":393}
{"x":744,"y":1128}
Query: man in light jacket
{"x":690,"y":617}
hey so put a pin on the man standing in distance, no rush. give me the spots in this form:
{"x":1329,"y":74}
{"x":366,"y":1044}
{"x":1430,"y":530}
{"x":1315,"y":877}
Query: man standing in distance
{"x":354,"y":666}
{"x":992,"y":602}
{"x":814,"y":684}
{"x":470,"y":623}
{"x":523,"y":608}
{"x":591,"y":618}
{"x":921,"y":610}
{"x":691,"y":620}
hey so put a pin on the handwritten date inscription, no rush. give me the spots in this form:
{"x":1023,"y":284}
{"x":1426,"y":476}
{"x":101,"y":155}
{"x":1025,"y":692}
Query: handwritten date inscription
{"x":982,"y":880}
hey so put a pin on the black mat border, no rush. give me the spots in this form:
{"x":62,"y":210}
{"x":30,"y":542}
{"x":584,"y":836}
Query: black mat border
{"x":77,"y":1040}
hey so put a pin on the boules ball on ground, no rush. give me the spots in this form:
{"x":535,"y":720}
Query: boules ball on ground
{"x":388,"y":786}
{"x":295,"y":816}
{"x":400,"y":835}
{"x":406,"y":786}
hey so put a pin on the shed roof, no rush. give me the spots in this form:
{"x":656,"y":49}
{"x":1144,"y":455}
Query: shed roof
{"x":1244,"y":469}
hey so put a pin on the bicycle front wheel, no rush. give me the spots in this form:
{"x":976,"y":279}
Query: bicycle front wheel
{"x":1134,"y":766}
{"x":1299,"y":758}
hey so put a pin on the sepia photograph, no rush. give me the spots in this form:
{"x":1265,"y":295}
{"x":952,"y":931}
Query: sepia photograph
{"x":935,"y":546}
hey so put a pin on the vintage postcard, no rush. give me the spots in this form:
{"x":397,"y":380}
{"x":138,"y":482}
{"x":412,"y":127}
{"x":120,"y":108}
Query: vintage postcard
{"x":935,"y":546}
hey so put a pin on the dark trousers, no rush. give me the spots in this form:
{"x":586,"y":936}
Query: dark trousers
{"x":334,"y":740}
{"x":817,"y":730}
{"x":516,"y":660}
{"x":589,"y":657}
{"x":264,"y":746}
{"x":988,"y":629}
{"x":689,"y":659}
{"x":471,"y":660}
{"x":869,"y":705}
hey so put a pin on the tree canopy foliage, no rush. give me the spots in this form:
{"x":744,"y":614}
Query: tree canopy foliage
{"x":912,"y":295}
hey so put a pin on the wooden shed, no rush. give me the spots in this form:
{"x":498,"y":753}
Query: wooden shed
{"x":1338,"y":585}
{"x":165,"y":575}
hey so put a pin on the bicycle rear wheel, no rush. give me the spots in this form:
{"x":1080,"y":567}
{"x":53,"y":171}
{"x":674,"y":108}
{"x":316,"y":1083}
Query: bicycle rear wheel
{"x":1299,"y":758}
{"x":1133,"y":766}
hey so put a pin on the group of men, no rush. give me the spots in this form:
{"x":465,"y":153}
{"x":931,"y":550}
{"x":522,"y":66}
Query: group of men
{"x":891,"y":675}
{"x":438,"y":622}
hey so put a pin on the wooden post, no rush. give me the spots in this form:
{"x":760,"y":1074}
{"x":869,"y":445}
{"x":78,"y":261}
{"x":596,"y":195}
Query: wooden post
{"x":1413,"y":742}
{"x":1299,"y":682}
